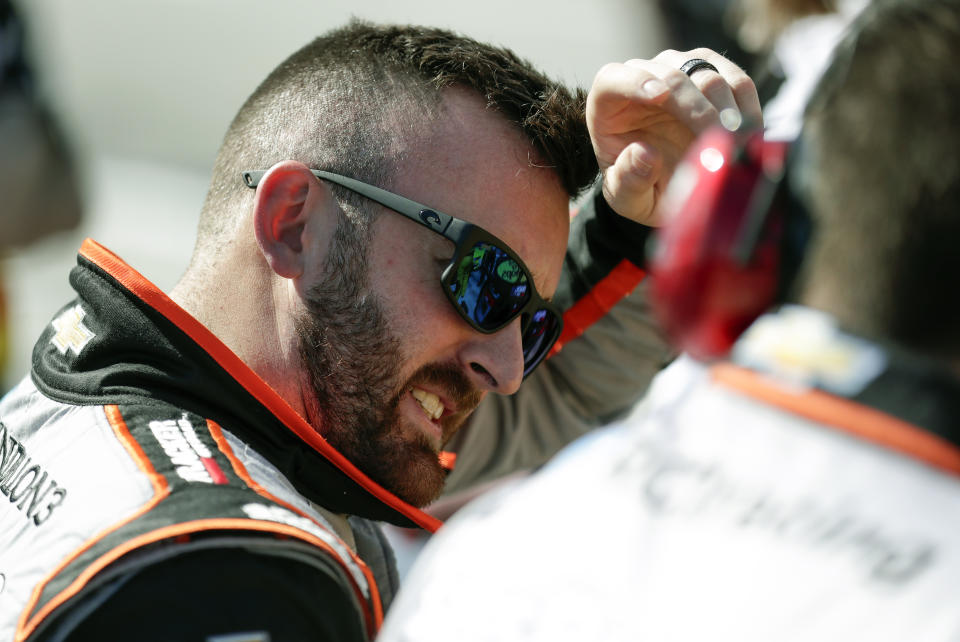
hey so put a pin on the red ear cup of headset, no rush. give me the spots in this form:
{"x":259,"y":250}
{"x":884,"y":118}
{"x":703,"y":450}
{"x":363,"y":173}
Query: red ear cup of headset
{"x":716,"y":261}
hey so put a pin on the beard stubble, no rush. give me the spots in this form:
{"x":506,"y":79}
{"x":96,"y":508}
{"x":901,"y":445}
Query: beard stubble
{"x":352,"y":363}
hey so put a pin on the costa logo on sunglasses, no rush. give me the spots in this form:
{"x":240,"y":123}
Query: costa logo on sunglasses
{"x":430,"y":218}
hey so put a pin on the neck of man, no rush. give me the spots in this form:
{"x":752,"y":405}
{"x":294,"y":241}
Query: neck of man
{"x":248,"y":307}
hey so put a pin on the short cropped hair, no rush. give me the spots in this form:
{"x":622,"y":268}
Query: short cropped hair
{"x":881,"y":135}
{"x":352,"y":100}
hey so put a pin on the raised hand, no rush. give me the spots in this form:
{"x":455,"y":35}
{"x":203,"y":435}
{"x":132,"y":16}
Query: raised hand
{"x":643,"y":114}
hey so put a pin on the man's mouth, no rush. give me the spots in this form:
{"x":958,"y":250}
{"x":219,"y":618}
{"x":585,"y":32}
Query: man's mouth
{"x":430,"y":403}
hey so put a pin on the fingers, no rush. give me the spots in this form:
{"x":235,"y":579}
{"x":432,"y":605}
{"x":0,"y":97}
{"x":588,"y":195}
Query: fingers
{"x":643,"y":115}
{"x":623,"y":81}
{"x":697,"y":100}
{"x":685,"y":101}
{"x":728,"y":87}
{"x":620,"y":104}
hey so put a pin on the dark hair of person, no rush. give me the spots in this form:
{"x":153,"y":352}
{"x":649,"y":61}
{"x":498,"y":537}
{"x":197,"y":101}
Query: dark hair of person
{"x":881,"y":134}
{"x":354,"y":100}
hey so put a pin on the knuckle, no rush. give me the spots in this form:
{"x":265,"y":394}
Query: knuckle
{"x":607,"y":70}
{"x":674,"y":78}
{"x":741,"y":82}
{"x":703,"y":52}
{"x":667,"y":55}
{"x":743,"y":87}
{"x":705,"y":118}
{"x":708,"y":81}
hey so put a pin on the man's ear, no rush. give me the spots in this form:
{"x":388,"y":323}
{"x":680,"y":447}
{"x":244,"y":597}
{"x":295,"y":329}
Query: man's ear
{"x":285,"y":198}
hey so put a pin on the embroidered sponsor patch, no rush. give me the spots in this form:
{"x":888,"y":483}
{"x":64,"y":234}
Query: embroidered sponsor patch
{"x":194,"y":462}
{"x":71,"y":333}
{"x":25,"y":483}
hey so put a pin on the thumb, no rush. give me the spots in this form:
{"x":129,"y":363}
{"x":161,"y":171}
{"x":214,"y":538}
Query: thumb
{"x":629,"y":185}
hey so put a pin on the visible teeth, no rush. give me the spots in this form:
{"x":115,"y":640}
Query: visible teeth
{"x":429,"y":402}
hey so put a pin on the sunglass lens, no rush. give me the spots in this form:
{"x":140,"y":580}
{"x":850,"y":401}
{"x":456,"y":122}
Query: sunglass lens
{"x":489,"y":286}
{"x":539,"y":335}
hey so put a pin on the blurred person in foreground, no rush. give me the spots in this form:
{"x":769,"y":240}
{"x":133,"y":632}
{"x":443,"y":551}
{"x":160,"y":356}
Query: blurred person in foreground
{"x":808,"y":488}
{"x":386,"y":224}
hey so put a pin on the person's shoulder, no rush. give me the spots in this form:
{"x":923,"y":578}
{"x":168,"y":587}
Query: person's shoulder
{"x":584,"y":466}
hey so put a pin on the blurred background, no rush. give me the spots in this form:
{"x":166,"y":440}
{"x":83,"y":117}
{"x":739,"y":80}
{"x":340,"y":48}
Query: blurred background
{"x":141,"y":93}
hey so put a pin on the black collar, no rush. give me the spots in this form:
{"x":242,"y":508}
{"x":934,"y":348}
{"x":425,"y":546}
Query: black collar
{"x":147,"y":349}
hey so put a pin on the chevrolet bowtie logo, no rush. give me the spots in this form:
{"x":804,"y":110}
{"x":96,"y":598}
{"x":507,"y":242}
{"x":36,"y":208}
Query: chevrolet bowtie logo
{"x":71,"y":333}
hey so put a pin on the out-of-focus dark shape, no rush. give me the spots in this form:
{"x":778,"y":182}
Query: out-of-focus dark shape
{"x":758,"y":23}
{"x":38,"y":182}
{"x":705,"y":23}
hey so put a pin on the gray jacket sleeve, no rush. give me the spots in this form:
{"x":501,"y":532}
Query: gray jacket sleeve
{"x":594,"y":378}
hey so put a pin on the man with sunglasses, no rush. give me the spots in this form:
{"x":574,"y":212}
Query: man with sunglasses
{"x":382,"y":246}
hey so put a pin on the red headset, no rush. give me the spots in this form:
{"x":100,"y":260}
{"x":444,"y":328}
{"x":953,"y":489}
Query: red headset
{"x":731,"y":240}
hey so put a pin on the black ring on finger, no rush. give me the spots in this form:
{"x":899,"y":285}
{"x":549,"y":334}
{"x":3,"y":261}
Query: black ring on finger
{"x":695,"y":64}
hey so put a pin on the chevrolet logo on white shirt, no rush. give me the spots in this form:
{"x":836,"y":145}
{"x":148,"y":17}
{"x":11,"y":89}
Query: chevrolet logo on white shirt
{"x":71,"y":334}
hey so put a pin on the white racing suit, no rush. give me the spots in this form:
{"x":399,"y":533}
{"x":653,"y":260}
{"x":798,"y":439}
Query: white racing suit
{"x":809,"y":491}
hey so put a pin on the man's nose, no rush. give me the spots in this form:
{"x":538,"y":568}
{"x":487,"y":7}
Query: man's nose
{"x":495,"y":361}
